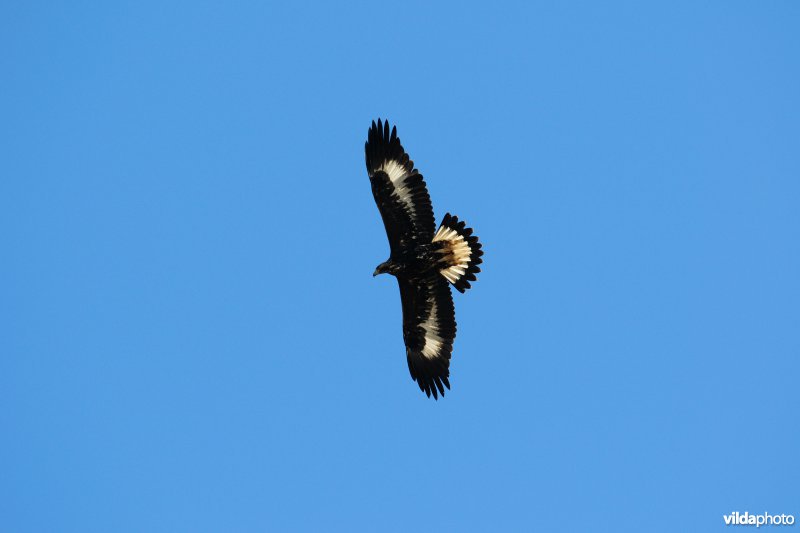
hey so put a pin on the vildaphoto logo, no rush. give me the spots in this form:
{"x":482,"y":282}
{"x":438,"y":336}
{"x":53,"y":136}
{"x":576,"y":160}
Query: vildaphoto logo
{"x":758,"y":520}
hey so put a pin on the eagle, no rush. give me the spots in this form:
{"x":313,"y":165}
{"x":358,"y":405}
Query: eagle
{"x":425,"y":259}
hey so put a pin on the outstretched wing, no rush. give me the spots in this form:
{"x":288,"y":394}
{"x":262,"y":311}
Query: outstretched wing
{"x":399,"y":189}
{"x":429,"y":329}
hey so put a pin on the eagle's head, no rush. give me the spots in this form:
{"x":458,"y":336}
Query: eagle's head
{"x":387,"y":267}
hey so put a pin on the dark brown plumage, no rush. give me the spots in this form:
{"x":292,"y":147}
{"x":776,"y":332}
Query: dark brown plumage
{"x":424,"y":259}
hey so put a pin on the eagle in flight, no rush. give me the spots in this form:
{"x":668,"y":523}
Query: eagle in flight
{"x":425,"y":260}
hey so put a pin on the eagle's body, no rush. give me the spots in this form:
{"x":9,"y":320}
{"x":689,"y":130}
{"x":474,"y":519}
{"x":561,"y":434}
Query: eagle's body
{"x":423,"y":259}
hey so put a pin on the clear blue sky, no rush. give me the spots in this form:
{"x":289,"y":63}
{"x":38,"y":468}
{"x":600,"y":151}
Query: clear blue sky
{"x":191,"y":336}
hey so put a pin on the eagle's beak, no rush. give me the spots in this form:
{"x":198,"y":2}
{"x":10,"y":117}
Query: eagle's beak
{"x":375,"y":273}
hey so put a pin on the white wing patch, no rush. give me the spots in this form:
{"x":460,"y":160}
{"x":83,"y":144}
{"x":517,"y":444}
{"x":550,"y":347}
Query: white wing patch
{"x":456,"y":253}
{"x":397,"y":175}
{"x":433,"y":342}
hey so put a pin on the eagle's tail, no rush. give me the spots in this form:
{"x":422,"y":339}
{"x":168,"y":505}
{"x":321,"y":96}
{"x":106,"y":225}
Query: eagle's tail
{"x":460,"y":252}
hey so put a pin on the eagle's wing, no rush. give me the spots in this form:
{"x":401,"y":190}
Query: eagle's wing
{"x":429,"y":329}
{"x":399,"y":189}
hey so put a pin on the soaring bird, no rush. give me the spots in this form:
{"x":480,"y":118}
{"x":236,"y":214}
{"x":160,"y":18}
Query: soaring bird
{"x":425,"y":260}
